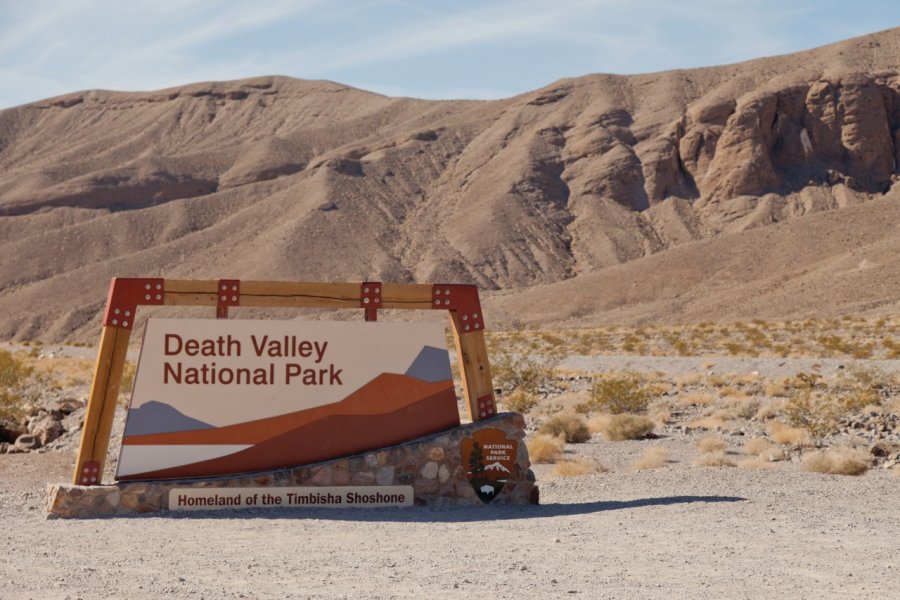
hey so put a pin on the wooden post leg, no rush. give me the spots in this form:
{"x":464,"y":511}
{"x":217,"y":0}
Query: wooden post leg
{"x":101,"y":408}
{"x":475,"y":371}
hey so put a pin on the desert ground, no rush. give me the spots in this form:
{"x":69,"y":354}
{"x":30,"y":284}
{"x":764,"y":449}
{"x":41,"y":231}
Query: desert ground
{"x":728,"y":496}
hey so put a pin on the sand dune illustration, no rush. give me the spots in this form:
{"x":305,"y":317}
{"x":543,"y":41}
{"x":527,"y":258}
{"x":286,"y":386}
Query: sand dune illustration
{"x":327,"y":437}
{"x":386,"y":393}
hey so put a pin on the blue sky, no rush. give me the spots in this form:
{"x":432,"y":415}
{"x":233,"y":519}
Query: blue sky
{"x":427,"y":49}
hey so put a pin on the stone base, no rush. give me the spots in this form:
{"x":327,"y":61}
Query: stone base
{"x":431,"y":465}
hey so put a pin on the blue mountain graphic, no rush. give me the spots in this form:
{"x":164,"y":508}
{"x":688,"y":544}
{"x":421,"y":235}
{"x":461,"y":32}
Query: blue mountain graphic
{"x":159,"y":417}
{"x":432,"y":364}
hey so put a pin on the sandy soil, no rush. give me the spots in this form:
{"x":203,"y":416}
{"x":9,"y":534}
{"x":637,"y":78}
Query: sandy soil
{"x":677,"y":532}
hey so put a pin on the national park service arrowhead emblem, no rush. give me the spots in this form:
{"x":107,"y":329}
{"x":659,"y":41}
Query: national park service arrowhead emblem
{"x":489,"y":459}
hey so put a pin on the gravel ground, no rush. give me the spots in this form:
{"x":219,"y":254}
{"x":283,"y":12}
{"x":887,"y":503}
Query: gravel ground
{"x":676,"y":532}
{"x":723,"y":365}
{"x":680,"y":531}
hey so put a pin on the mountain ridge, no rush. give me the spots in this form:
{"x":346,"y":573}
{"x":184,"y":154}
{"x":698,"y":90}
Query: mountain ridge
{"x":273,"y":178}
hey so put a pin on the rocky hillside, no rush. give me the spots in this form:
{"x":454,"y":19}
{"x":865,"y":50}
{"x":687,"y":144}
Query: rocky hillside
{"x":588,"y":177}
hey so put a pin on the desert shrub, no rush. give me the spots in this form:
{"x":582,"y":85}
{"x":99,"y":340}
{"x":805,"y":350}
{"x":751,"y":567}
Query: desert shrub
{"x":687,"y":379}
{"x":711,"y":444}
{"x":818,"y":412}
{"x":783,"y":434}
{"x":769,"y":410}
{"x":597,"y":423}
{"x":740,"y":408}
{"x":575,"y":467}
{"x":714,"y":459}
{"x":653,"y":458}
{"x":518,"y":372}
{"x":571,"y":427}
{"x":627,"y":426}
{"x":713,"y":421}
{"x":780,"y":388}
{"x":837,"y":461}
{"x":519,"y":401}
{"x":545,"y":448}
{"x":756,"y":446}
{"x":661,"y":415}
{"x":694,"y":399}
{"x":15,"y":377}
{"x":617,"y":395}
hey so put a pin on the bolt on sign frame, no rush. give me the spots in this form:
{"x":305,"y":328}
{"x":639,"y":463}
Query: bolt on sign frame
{"x":126,"y":294}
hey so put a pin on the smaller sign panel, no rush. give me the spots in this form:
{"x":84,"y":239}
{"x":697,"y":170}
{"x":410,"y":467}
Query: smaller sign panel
{"x":489,"y":459}
{"x":291,"y":497}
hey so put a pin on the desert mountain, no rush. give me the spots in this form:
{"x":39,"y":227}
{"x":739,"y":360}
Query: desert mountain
{"x":767,"y":188}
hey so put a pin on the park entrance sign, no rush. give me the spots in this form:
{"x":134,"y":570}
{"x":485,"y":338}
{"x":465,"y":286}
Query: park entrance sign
{"x":282,"y":361}
{"x":220,"y":397}
{"x":234,"y":413}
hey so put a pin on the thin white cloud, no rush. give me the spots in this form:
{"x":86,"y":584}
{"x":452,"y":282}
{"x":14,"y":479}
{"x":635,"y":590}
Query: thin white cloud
{"x":57,"y":46}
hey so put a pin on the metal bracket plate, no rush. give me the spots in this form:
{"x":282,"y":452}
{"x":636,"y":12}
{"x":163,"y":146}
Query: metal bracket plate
{"x":90,"y":474}
{"x":370,"y":298}
{"x":460,"y":298}
{"x":228,"y":294}
{"x":126,"y":294}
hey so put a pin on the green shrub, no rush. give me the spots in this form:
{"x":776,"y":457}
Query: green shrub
{"x":519,"y":401}
{"x":518,"y":372}
{"x":618,"y":395}
{"x":14,"y":377}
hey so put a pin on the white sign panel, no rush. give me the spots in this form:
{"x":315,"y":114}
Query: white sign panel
{"x":216,"y":397}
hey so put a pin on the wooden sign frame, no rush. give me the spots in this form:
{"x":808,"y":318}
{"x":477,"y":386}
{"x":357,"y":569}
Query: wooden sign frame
{"x":126,"y":294}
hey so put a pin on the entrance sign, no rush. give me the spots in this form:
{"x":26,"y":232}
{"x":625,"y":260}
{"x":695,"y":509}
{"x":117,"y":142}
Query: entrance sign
{"x":221,"y":397}
{"x":303,"y":362}
{"x":291,"y":497}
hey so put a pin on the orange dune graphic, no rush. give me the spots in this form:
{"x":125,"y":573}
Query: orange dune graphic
{"x":330,"y":437}
{"x":386,"y":393}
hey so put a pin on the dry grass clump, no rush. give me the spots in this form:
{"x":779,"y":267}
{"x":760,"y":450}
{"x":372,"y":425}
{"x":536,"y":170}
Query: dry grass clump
{"x":739,"y":408}
{"x":781,"y":388}
{"x":519,"y":401}
{"x":653,"y":458}
{"x":687,"y":379}
{"x":545,"y":448}
{"x":770,"y":410}
{"x":598,"y":423}
{"x":711,"y":444}
{"x":837,"y":461}
{"x":661,"y":415}
{"x":627,"y":427}
{"x":784,"y":434}
{"x":617,"y":395}
{"x":732,"y":392}
{"x":694,"y":399}
{"x":571,"y":427}
{"x":893,"y":406}
{"x":756,"y":446}
{"x":713,"y":459}
{"x":575,"y":467}
{"x":714,"y":421}
{"x":755,"y":462}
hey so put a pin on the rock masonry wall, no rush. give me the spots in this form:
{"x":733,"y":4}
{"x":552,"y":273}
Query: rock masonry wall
{"x":432,"y":465}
